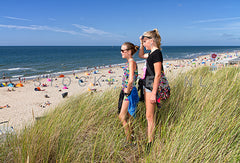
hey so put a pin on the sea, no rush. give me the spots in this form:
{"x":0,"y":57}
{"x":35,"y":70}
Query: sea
{"x":30,"y":62}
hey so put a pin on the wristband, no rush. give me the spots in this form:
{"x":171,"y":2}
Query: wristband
{"x":127,"y":94}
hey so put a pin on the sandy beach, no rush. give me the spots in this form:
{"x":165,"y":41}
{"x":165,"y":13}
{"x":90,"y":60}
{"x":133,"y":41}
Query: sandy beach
{"x":19,"y":106}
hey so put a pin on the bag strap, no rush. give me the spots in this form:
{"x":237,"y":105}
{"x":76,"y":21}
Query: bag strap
{"x":149,"y":70}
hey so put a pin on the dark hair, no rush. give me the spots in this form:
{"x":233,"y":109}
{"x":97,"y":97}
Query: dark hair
{"x":132,"y":47}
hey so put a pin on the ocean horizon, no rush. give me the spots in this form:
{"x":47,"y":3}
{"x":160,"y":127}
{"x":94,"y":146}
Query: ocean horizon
{"x":32,"y":61}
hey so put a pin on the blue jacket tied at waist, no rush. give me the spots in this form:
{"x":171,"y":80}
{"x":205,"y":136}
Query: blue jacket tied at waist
{"x":133,"y":101}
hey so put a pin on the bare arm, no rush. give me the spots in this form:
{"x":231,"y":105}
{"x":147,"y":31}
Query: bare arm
{"x":157,"y":68}
{"x":132,"y":68}
{"x":141,"y":50}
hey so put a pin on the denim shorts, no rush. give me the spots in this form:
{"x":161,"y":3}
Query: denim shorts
{"x":146,"y":89}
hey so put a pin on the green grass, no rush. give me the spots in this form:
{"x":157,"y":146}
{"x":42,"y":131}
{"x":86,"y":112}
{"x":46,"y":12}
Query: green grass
{"x":199,"y":123}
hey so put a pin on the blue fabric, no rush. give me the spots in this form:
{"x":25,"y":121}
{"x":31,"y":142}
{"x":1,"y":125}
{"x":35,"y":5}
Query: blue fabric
{"x":10,"y":85}
{"x":133,"y":101}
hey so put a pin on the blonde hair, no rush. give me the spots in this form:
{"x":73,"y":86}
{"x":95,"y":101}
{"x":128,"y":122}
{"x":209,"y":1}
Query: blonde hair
{"x":132,"y":47}
{"x":154,"y":34}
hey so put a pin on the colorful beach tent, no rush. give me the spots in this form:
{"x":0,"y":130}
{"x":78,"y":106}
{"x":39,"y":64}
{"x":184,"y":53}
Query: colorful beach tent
{"x":10,"y":85}
{"x":19,"y":85}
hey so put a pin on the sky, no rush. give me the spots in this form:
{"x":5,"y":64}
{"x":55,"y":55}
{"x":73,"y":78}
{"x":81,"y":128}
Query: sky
{"x":113,"y":22}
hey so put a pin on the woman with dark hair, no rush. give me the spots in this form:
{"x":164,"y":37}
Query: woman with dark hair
{"x":130,"y":99}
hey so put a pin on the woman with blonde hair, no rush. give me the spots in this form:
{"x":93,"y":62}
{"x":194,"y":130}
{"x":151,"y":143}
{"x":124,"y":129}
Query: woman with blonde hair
{"x":151,"y":40}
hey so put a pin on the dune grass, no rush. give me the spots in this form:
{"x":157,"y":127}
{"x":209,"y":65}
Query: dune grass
{"x":199,"y":123}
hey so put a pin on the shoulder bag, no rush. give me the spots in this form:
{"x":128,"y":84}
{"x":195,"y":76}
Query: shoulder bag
{"x":163,"y":91}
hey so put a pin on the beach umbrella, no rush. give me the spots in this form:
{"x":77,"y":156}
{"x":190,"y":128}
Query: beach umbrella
{"x":61,"y":76}
{"x":65,"y":87}
{"x":213,"y":56}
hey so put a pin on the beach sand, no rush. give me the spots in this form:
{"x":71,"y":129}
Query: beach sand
{"x":20,"y":106}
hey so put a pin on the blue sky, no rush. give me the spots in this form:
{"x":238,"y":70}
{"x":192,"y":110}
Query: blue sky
{"x":112,"y":22}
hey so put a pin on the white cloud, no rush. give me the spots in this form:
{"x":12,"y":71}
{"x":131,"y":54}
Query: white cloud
{"x":90,"y":30}
{"x":230,"y":36}
{"x":230,"y":26}
{"x":216,"y":20}
{"x":41,"y":28}
{"x":86,"y":31}
{"x":14,"y":18}
{"x":17,"y":27}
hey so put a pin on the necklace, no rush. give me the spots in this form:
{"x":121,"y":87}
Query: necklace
{"x":130,"y":59}
{"x":153,"y":50}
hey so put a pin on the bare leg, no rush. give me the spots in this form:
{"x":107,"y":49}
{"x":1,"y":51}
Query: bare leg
{"x":150,"y":116}
{"x":123,"y":118}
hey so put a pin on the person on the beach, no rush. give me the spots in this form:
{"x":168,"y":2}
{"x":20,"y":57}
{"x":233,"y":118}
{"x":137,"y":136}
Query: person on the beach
{"x":151,"y":40}
{"x":3,"y":76}
{"x":130,"y":94}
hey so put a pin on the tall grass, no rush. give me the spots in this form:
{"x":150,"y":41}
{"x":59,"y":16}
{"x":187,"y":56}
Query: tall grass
{"x":199,"y":123}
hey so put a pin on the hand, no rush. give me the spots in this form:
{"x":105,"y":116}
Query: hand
{"x":141,"y":40}
{"x":126,"y":91}
{"x":153,"y":98}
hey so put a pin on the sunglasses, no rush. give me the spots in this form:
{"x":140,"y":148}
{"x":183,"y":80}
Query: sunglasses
{"x":146,"y":37}
{"x":124,"y":50}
